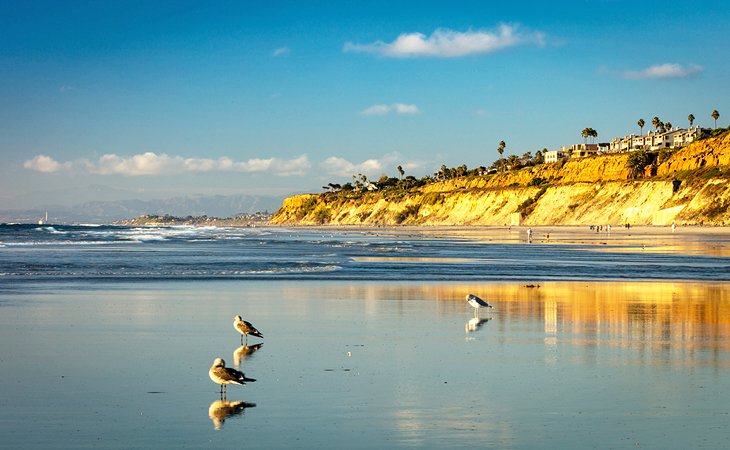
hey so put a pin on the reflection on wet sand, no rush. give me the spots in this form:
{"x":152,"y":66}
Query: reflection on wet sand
{"x":220,"y":410}
{"x":475,"y":323}
{"x":670,"y":323}
{"x":243,"y":352}
{"x":684,"y":240}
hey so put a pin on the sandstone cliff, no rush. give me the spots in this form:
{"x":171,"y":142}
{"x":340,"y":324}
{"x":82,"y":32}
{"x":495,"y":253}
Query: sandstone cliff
{"x":691,"y":187}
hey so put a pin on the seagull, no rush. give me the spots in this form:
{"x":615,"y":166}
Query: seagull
{"x":245,"y":328}
{"x":223,"y":375}
{"x":476,"y":303}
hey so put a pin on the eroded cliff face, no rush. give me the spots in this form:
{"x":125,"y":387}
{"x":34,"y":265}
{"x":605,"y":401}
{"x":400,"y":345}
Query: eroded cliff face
{"x":691,"y":187}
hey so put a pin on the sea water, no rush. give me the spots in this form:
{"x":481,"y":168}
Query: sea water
{"x":57,"y":253}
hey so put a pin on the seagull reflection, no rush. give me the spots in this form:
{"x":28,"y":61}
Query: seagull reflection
{"x":243,"y":352}
{"x":220,"y":410}
{"x":475,"y":323}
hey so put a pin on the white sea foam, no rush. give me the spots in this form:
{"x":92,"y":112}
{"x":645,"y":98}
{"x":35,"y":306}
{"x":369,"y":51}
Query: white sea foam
{"x":62,"y":243}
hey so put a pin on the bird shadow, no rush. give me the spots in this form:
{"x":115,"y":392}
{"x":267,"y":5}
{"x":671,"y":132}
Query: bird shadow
{"x":220,"y":410}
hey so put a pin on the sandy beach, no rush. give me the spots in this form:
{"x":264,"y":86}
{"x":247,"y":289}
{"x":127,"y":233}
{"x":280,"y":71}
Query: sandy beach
{"x":368,"y":364}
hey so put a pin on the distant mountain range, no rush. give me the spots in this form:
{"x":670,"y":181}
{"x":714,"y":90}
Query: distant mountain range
{"x":108,"y":211}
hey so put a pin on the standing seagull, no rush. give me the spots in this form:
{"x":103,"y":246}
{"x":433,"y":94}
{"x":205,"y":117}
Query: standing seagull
{"x":223,"y":375}
{"x":245,"y":328}
{"x":477,"y":303}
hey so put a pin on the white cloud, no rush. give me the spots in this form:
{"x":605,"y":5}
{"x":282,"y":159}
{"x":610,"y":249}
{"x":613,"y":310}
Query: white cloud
{"x":445,"y":43}
{"x":281,"y":51}
{"x":401,"y":108}
{"x":383,"y":109}
{"x":376,"y":110}
{"x":45,"y":164}
{"x":337,"y":166}
{"x":666,"y":70}
{"x":150,"y":163}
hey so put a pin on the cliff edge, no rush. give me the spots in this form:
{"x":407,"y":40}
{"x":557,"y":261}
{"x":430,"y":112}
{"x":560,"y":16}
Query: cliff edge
{"x":690,"y":187}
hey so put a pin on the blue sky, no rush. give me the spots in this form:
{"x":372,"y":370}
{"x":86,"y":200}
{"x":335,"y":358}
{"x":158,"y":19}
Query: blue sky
{"x":185,"y":97}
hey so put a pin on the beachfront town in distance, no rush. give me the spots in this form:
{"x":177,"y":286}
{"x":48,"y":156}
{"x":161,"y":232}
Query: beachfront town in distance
{"x":664,"y":136}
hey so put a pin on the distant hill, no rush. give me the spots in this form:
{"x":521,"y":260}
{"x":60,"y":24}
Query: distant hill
{"x":110,"y":211}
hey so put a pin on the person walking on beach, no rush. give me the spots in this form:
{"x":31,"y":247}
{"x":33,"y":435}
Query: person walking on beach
{"x":529,"y":235}
{"x":674,"y":226}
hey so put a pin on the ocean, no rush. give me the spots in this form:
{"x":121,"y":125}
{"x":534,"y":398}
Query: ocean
{"x":32,"y":253}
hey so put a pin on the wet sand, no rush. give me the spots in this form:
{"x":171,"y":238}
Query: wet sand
{"x":367,"y":364}
{"x":683,"y":239}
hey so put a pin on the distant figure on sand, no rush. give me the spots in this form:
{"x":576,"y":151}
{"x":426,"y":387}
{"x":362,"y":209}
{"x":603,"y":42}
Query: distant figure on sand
{"x":245,"y":328}
{"x":529,"y":235}
{"x":674,"y":226}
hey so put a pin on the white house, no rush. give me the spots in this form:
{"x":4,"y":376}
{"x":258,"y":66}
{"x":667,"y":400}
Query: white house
{"x":655,"y":140}
{"x":552,"y":156}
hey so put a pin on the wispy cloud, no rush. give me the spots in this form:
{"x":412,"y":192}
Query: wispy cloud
{"x":666,"y":70}
{"x":446,"y":43}
{"x":281,"y":51}
{"x":337,"y":166}
{"x":397,"y":108}
{"x":150,"y":163}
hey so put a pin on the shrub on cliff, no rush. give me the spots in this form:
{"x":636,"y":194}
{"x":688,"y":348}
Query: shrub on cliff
{"x":306,"y":208}
{"x":636,"y":163}
{"x":408,"y":211}
{"x":528,"y":205}
{"x":322,"y":215}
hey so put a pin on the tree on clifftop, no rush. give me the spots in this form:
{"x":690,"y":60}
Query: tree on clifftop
{"x":655,"y":122}
{"x":501,"y":148}
{"x":401,"y":171}
{"x":691,"y":119}
{"x":637,"y":161}
{"x":588,"y":133}
{"x":640,"y":123}
{"x":715,"y":115}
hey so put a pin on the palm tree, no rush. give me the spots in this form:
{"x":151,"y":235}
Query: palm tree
{"x":401,"y":171}
{"x":594,"y":135}
{"x":715,"y":115}
{"x":585,"y":133}
{"x":691,"y":119}
{"x":640,"y":123}
{"x":655,"y":122}
{"x":668,"y":125}
{"x":501,"y":148}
